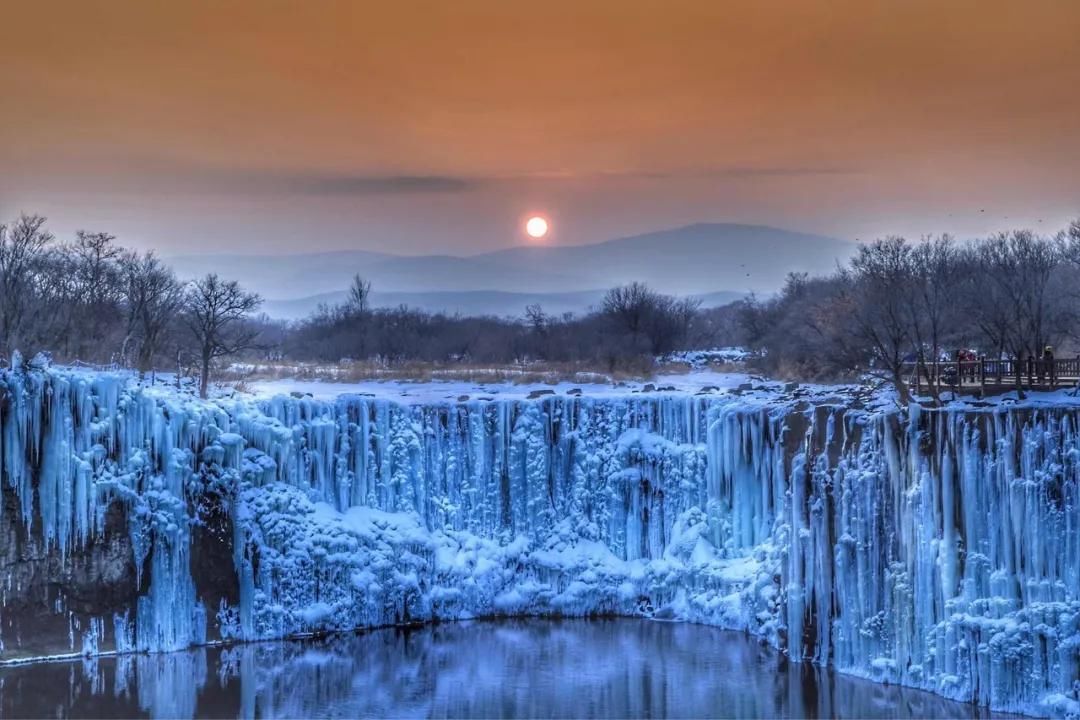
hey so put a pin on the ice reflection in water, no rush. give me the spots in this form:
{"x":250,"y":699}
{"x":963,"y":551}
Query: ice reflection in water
{"x":527,"y":668}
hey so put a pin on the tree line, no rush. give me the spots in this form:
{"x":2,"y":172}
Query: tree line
{"x":899,"y":305}
{"x":94,"y":301}
{"x":633,"y":325}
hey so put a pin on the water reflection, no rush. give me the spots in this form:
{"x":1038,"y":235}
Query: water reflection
{"x":528,"y":668}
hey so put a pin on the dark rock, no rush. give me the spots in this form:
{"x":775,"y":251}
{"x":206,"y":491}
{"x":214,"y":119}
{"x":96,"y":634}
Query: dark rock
{"x":213,"y":569}
{"x":93,"y":581}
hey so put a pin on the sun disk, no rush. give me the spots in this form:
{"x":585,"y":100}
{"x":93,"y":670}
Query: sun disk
{"x":536,"y":227}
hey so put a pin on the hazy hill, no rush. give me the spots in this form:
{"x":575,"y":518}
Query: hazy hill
{"x":287,"y":277}
{"x":282,"y":276}
{"x":689,"y":260}
{"x":474,"y":302}
{"x":692,"y":260}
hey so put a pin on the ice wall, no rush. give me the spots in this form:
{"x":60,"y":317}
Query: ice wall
{"x":939,"y":549}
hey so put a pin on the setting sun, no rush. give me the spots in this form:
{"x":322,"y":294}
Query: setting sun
{"x":536,"y":227}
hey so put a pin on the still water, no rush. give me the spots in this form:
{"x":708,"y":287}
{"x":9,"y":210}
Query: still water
{"x":527,"y":668}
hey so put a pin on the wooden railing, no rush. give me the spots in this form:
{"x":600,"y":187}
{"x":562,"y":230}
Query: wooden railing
{"x":1033,"y":372}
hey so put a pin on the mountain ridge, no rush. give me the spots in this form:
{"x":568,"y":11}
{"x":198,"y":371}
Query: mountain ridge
{"x":497,"y":303}
{"x":694,"y":259}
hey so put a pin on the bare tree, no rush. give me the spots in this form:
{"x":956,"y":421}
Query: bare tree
{"x":97,"y":293}
{"x":1021,"y":270}
{"x":880,"y":284}
{"x":153,"y":297}
{"x":52,"y":320}
{"x":216,"y":310}
{"x":96,"y":265}
{"x":23,"y":247}
{"x":359,"y":295}
{"x":934,"y":287}
{"x":629,"y":306}
{"x":536,"y":318}
{"x":668,"y":324}
{"x":904,"y":305}
{"x":659,"y":323}
{"x":539,"y":325}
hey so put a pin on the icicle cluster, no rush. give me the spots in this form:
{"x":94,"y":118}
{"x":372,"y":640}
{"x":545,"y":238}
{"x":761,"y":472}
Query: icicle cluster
{"x":935,"y":549}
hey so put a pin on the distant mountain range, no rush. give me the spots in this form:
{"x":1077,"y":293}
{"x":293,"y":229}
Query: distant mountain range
{"x":471,"y":302}
{"x":717,"y":262}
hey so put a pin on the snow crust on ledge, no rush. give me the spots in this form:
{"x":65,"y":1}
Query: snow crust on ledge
{"x":938,"y":549}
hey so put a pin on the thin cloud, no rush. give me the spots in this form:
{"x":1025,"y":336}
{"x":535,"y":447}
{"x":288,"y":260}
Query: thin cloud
{"x":346,"y":184}
{"x":794,"y":171}
{"x":754,"y":171}
{"x":172,"y":174}
{"x":168,"y":175}
{"x":373,"y":184}
{"x":736,"y":171}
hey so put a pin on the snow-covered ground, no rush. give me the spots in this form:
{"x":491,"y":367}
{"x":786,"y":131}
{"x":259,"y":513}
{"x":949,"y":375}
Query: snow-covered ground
{"x":700,"y":359}
{"x":708,"y":381}
{"x":750,"y":389}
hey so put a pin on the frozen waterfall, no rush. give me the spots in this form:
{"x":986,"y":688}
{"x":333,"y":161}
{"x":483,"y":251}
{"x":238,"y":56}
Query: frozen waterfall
{"x":933,"y":548}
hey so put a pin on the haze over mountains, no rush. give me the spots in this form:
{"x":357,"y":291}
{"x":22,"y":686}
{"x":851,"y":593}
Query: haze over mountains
{"x":715,"y":262}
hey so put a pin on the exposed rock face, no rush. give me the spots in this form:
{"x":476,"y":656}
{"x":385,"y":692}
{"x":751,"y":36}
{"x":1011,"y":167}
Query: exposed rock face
{"x":49,"y":599}
{"x":939,"y":549}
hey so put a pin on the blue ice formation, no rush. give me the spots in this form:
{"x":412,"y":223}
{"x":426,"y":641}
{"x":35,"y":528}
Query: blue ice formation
{"x":933,"y":548}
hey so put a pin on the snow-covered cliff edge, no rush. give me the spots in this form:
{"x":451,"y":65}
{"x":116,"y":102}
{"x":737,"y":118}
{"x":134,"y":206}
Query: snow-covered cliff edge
{"x":939,"y":549}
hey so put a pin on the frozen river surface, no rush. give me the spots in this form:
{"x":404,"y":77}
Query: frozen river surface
{"x":522,"y":668}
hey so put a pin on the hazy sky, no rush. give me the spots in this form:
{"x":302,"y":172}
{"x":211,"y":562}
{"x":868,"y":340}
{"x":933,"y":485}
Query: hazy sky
{"x":435,"y":127}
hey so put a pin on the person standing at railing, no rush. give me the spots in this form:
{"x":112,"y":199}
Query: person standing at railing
{"x":1048,"y":364}
{"x":972,"y":364}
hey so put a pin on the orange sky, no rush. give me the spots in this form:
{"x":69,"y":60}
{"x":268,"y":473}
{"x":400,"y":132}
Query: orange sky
{"x":424,"y":126}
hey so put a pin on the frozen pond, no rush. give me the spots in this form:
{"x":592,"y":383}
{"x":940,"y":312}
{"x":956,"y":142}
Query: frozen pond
{"x":526,"y":668}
